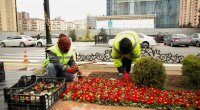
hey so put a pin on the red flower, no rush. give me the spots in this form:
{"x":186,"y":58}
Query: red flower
{"x":121,"y":92}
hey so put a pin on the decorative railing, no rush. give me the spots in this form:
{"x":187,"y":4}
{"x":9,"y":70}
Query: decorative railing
{"x":165,"y":58}
{"x":106,"y":56}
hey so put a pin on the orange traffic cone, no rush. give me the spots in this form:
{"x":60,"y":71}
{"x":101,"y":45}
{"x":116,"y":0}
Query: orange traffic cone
{"x":25,"y":57}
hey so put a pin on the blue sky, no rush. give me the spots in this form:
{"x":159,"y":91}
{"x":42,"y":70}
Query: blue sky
{"x":68,"y":9}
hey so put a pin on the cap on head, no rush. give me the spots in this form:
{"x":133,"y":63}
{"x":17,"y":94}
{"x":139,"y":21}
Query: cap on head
{"x":125,"y":46}
{"x":64,"y":42}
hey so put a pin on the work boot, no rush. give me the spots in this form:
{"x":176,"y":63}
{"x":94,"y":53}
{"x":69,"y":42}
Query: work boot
{"x":120,"y":74}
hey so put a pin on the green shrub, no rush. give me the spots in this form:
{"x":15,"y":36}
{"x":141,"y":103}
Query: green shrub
{"x":102,"y":32}
{"x":72,"y":34}
{"x":150,"y":72}
{"x":83,"y":40}
{"x":88,"y":35}
{"x":191,"y":70}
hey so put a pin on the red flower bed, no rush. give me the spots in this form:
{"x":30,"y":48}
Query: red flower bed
{"x":118,"y":92}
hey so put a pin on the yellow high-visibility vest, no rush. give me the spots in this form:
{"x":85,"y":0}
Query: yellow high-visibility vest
{"x":134,"y":55}
{"x":62,"y":57}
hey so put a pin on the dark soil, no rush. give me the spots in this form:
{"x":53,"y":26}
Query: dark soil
{"x":173,"y":82}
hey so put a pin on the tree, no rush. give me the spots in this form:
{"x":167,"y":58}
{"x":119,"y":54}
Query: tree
{"x":180,"y":26}
{"x":88,"y":35}
{"x":198,"y":25}
{"x":102,"y":32}
{"x":189,"y":25}
{"x":72,"y":34}
{"x":184,"y":26}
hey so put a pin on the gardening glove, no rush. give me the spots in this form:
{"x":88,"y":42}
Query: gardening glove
{"x":75,"y":67}
{"x":71,"y":70}
{"x":126,"y":76}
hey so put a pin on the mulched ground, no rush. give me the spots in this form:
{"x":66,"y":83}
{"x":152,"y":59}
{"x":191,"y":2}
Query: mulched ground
{"x":173,"y":82}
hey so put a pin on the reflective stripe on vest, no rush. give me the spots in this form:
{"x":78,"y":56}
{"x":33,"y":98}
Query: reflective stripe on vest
{"x":135,"y":56}
{"x":62,"y":57}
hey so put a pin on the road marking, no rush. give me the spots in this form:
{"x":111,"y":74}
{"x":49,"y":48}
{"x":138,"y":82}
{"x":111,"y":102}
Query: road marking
{"x":35,"y":56}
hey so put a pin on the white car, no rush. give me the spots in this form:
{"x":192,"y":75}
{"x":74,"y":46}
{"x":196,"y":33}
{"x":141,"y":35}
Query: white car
{"x":18,"y":40}
{"x":145,"y":41}
{"x":110,"y":42}
{"x":42,"y":41}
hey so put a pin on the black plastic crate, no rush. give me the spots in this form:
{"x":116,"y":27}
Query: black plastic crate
{"x":2,"y":72}
{"x":26,"y":100}
{"x":22,"y":83}
{"x":2,"y":76}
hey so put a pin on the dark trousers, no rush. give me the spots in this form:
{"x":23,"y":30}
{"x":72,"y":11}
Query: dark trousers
{"x":126,"y":64}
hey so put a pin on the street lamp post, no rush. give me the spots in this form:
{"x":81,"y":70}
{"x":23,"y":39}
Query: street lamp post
{"x":47,"y":24}
{"x":110,"y":26}
{"x":16,"y":15}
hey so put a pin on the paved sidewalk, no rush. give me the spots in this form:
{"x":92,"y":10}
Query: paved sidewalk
{"x":11,"y":77}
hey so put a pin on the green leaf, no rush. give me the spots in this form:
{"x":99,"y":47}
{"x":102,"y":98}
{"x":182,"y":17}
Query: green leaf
{"x":160,"y":108}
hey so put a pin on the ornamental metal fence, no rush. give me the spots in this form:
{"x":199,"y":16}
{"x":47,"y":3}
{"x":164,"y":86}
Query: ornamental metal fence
{"x":106,"y":56}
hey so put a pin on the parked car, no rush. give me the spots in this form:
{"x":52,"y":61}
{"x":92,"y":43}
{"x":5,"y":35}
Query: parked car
{"x":177,"y":40}
{"x":160,"y":36}
{"x":110,"y":42}
{"x":18,"y":40}
{"x":42,"y":41}
{"x":195,"y":39}
{"x":145,"y":40}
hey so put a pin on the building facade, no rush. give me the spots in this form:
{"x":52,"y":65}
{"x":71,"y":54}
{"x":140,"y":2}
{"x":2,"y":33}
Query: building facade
{"x":36,"y":24}
{"x":8,"y":15}
{"x":166,"y":11}
{"x":189,"y":12}
{"x":58,"y":24}
{"x":91,"y":22}
{"x":23,"y":22}
{"x":23,"y":15}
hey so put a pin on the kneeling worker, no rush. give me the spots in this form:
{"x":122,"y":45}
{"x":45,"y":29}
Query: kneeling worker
{"x":60,"y":62}
{"x":125,"y":50}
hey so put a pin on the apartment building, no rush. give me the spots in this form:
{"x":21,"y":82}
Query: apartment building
{"x":36,"y":24}
{"x":23,"y":21}
{"x":23,"y":15}
{"x":79,"y":24}
{"x":8,"y":15}
{"x":58,"y":24}
{"x":189,"y":12}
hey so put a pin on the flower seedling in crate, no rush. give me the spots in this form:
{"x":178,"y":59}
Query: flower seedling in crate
{"x":37,"y":88}
{"x":44,"y":87}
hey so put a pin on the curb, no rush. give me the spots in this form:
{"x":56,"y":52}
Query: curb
{"x":32,"y":66}
{"x":111,"y":63}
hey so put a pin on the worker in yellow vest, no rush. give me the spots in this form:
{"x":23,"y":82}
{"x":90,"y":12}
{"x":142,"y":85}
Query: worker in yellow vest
{"x":60,"y":62}
{"x":125,"y":50}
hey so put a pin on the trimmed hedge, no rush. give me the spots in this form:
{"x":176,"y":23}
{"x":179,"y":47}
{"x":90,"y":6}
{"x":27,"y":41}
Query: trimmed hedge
{"x":191,"y":70}
{"x":150,"y":72}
